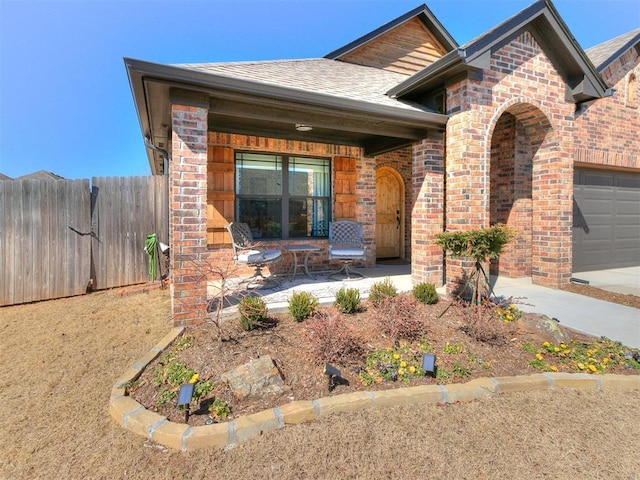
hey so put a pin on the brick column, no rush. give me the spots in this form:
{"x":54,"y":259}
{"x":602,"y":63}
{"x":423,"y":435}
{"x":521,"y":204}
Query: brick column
{"x":467,"y":179}
{"x":366,"y":204}
{"x":188,"y":213}
{"x":427,"y":216}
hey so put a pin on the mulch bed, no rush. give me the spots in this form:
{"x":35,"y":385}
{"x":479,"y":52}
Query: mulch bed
{"x":589,"y":291}
{"x":492,"y":349}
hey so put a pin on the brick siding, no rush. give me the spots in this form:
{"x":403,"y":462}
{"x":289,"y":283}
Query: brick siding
{"x":522,"y":83}
{"x":607,"y":130}
{"x":428,"y":210}
{"x":187,"y":214}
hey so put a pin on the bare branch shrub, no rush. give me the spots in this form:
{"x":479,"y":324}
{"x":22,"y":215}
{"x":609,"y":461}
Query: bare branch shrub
{"x":483,"y":323}
{"x":329,"y":338}
{"x":398,"y":317}
{"x":220,"y":271}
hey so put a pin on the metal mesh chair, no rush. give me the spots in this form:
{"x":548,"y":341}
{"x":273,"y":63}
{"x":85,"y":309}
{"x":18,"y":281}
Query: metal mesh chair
{"x":347,"y":245}
{"x":247,"y":252}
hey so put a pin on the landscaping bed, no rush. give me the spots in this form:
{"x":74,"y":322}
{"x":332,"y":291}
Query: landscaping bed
{"x":378,"y":347}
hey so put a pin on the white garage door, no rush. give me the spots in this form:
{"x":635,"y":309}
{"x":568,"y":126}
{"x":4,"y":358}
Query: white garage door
{"x":606,"y":219}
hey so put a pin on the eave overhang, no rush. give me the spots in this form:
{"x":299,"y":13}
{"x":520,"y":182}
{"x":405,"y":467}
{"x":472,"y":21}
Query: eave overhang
{"x":254,"y":108}
{"x":543,"y":21}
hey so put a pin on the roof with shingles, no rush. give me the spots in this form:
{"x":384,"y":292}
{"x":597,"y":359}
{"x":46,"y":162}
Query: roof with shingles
{"x":40,"y":175}
{"x":603,"y":54}
{"x":318,"y":75}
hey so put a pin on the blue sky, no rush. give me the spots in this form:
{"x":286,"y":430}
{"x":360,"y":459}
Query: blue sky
{"x":65,"y":100}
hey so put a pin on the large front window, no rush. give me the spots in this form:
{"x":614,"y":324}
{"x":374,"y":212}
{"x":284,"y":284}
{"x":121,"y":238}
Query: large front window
{"x":281,"y":196}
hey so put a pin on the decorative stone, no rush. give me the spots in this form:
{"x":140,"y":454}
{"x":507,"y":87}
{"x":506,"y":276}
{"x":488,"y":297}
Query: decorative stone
{"x":258,"y":377}
{"x":544,"y":327}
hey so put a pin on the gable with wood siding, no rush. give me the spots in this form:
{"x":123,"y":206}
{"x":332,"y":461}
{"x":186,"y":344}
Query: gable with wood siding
{"x":406,"y":49}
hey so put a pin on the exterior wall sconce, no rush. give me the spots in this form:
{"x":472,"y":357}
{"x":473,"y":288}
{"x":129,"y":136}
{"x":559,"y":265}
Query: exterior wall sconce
{"x":301,"y":127}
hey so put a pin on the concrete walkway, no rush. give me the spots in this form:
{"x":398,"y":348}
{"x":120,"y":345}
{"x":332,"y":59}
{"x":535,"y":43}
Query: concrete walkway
{"x":585,"y":314}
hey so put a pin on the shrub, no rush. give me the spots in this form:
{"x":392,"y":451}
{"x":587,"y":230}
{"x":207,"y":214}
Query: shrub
{"x":348,"y":300}
{"x":219,"y":410}
{"x":382,"y":290}
{"x":391,"y":364}
{"x":329,"y":339}
{"x":302,"y":305}
{"x":253,"y":311}
{"x":202,"y":389}
{"x":483,"y":323}
{"x":396,"y":317}
{"x":508,"y":312}
{"x":481,"y":245}
{"x":425,"y":293}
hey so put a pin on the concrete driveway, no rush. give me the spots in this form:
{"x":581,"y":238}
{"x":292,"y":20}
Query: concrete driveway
{"x":620,"y":280}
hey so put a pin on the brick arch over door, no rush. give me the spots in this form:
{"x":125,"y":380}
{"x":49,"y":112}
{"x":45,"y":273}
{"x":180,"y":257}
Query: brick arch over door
{"x":526,"y":175}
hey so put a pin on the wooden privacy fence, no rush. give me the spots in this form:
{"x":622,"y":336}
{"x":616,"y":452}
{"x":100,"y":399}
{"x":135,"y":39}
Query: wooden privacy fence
{"x":59,"y":238}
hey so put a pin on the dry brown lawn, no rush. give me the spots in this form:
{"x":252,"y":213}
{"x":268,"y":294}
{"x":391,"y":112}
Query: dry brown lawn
{"x":59,"y":360}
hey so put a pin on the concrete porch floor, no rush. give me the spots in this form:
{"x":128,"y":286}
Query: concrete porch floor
{"x":277,"y":291}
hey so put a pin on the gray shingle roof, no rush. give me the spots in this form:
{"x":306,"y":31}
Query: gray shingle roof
{"x":601,"y":55}
{"x":318,"y":75}
{"x":40,"y":175}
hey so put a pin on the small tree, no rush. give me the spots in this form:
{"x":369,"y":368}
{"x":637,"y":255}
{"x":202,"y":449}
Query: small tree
{"x":224,"y":292}
{"x":481,"y":245}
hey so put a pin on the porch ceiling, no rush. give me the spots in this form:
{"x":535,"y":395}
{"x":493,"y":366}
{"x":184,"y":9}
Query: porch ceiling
{"x":244,"y":107}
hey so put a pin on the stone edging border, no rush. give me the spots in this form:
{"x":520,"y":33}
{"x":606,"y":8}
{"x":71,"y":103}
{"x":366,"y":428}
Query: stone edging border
{"x":134,"y":417}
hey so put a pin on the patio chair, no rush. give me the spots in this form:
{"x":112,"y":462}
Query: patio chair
{"x":347,"y":245}
{"x":247,"y":252}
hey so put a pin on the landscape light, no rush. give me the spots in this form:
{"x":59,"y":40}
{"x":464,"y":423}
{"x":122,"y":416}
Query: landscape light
{"x":429,"y":363}
{"x":335,"y":376}
{"x":184,"y":398}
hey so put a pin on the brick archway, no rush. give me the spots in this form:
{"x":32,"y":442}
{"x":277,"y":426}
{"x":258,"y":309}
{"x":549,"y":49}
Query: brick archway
{"x":522,"y":135}
{"x":523,"y":171}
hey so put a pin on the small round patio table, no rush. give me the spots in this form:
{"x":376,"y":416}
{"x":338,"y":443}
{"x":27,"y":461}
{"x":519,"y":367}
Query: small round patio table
{"x":305,"y":249}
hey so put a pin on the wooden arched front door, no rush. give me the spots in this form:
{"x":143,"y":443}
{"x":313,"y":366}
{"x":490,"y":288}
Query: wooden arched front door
{"x":389,"y":213}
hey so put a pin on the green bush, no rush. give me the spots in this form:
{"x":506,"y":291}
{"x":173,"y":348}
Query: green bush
{"x":253,"y":312}
{"x":348,"y":300}
{"x":481,"y":244}
{"x":425,"y":293}
{"x":219,"y":409}
{"x":381,"y":290}
{"x":302,"y":305}
{"x":392,"y":364}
